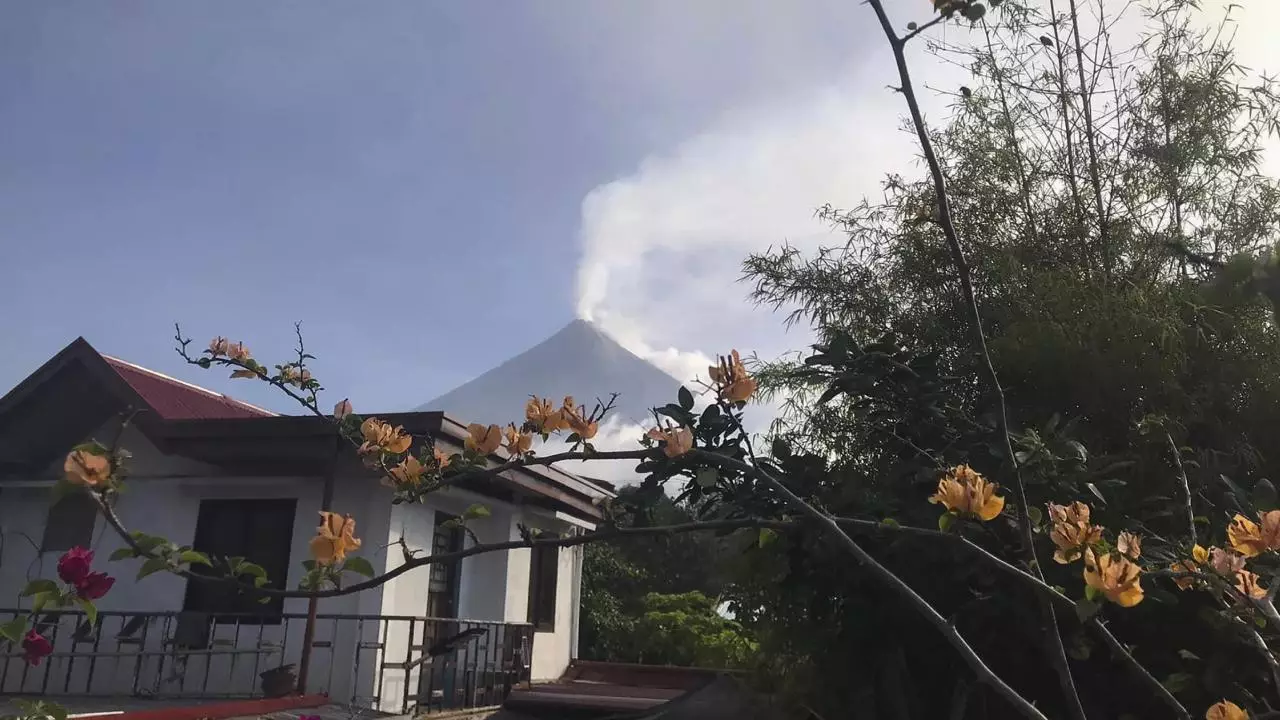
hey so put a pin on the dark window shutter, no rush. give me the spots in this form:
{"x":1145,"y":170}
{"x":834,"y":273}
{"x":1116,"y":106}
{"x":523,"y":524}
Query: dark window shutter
{"x":260,"y":531}
{"x":544,"y":573}
{"x":69,"y":523}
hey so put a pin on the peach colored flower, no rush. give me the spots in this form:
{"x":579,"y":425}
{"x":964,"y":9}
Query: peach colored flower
{"x":408,"y":472}
{"x":85,"y":468}
{"x":484,"y":440}
{"x":1129,"y":545}
{"x":1226,"y":710}
{"x":335,"y":537}
{"x":1247,"y":584}
{"x":380,"y":436}
{"x":238,"y":352}
{"x":342,"y":409}
{"x":1199,"y":556}
{"x":219,"y":346}
{"x":544,"y":416}
{"x":964,"y":492}
{"x":1250,"y":540}
{"x":517,"y":443}
{"x":676,"y":441}
{"x":1071,"y":532}
{"x":731,"y":379}
{"x":1225,"y":562}
{"x":1115,"y":576}
{"x":575,"y":416}
{"x":442,"y":458}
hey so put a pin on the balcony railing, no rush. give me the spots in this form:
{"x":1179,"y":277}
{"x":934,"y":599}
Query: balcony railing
{"x":391,"y":663}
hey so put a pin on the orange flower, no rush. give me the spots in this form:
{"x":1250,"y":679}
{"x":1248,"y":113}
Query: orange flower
{"x":676,"y":441}
{"x":335,"y":537}
{"x":408,"y":472}
{"x":1250,"y":540}
{"x":964,"y":492}
{"x":517,"y":443}
{"x":219,"y":346}
{"x":1115,"y":576}
{"x":575,"y":416}
{"x":484,"y":440}
{"x":1226,"y":710}
{"x":1247,"y":584}
{"x":85,"y":468}
{"x":731,"y":379}
{"x":1071,"y":531}
{"x":342,"y":409}
{"x":380,"y":436}
{"x":543,"y":415}
{"x":1129,"y":545}
{"x":290,"y":375}
{"x":1199,"y":556}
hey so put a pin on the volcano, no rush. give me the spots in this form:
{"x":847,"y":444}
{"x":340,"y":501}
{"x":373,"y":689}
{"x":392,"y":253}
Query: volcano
{"x":578,"y":360}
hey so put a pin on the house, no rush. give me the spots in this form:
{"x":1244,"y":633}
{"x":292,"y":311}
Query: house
{"x":236,"y":480}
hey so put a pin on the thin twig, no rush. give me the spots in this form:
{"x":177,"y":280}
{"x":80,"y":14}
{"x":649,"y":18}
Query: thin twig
{"x":1057,"y":650}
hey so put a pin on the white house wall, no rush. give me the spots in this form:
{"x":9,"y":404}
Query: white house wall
{"x":163,"y":498}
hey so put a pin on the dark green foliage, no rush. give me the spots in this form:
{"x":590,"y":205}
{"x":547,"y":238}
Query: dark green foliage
{"x":1123,"y":275}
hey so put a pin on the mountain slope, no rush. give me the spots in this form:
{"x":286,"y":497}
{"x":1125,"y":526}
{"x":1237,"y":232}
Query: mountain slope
{"x":578,"y":360}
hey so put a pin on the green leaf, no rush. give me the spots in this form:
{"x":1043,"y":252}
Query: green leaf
{"x":254,"y":569}
{"x":194,"y":557}
{"x":1177,"y":682}
{"x":1086,"y":608}
{"x":38,"y":585}
{"x":707,"y":477}
{"x":359,"y":566}
{"x":260,"y":580}
{"x":890,"y":522}
{"x":14,"y":629}
{"x":152,"y":565}
{"x":90,"y":610}
{"x":40,"y":600}
{"x":685,"y":397}
{"x":1035,"y":516}
{"x":123,"y":553}
{"x":1188,"y":655}
{"x":62,"y":488}
{"x":767,"y":537}
{"x":945,"y":521}
{"x":309,"y":565}
{"x":476,"y":511}
{"x":1091,"y":592}
{"x":1264,"y":495}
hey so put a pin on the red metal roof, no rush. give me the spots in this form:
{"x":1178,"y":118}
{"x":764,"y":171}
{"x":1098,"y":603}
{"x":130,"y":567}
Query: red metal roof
{"x":173,"y":399}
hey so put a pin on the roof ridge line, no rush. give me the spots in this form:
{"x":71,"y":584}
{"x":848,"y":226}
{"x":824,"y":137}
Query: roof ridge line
{"x":192,"y":386}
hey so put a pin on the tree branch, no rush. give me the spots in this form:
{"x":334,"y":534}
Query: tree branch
{"x":1057,"y":651}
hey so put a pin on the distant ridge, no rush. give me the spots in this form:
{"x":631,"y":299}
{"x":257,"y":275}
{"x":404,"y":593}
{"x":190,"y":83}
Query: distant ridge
{"x":578,"y":360}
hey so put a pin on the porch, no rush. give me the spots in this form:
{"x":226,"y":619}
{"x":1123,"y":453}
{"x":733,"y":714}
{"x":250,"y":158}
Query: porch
{"x":379,"y":663}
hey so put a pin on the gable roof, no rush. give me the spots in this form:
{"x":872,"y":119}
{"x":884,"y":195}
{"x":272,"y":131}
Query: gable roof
{"x":79,"y":389}
{"x":173,"y":399}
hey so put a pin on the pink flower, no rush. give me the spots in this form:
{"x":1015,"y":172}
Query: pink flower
{"x":94,"y":585}
{"x":74,"y":565}
{"x":35,"y":648}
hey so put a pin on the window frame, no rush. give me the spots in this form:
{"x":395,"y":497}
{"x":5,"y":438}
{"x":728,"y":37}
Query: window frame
{"x":544,"y":584}
{"x":87,"y":509}
{"x":220,"y":604}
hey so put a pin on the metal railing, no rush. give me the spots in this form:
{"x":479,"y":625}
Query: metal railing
{"x":392,"y":663}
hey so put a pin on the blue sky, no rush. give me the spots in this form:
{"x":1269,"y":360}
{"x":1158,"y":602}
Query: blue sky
{"x":430,"y":187}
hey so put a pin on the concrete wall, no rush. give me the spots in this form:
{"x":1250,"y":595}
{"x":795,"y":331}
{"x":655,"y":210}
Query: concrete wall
{"x":163,"y":498}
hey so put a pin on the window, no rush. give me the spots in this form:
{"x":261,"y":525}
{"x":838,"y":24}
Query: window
{"x":442,"y":587}
{"x":69,"y":523}
{"x":544,"y":570}
{"x":260,"y":531}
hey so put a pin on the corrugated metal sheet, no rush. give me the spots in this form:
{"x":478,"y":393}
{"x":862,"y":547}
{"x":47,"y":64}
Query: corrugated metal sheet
{"x":176,"y":400}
